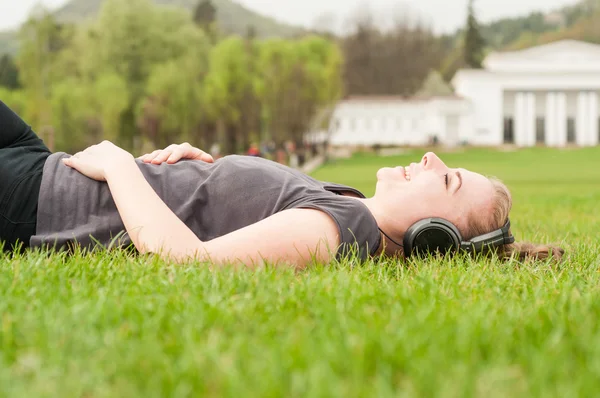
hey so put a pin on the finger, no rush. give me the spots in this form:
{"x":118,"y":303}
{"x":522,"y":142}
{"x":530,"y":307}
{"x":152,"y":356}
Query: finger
{"x":151,"y":156}
{"x":176,"y":156}
{"x":207,"y":157}
{"x":162,"y":156}
{"x":199,"y":154}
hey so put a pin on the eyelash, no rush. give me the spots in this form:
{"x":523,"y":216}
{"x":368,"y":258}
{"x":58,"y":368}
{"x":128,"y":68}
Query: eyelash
{"x":446,"y":179}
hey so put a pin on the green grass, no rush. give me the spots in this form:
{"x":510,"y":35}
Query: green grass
{"x":113,"y":325}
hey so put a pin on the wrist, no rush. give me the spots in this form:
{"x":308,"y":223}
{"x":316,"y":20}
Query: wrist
{"x":118,"y":166}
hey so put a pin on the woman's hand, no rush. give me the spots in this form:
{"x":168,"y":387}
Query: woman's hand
{"x":97,"y":159}
{"x":174,"y":153}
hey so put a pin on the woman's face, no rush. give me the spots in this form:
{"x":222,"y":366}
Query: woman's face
{"x":432,"y":189}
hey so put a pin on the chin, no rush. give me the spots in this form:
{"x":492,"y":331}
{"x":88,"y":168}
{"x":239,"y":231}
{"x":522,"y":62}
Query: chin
{"x":383,"y":173}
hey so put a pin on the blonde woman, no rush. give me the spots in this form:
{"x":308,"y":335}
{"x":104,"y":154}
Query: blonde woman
{"x":182,"y":204}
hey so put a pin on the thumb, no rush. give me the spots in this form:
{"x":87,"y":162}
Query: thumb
{"x":71,"y":162}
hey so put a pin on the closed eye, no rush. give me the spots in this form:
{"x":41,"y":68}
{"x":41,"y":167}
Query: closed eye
{"x":446,"y":178}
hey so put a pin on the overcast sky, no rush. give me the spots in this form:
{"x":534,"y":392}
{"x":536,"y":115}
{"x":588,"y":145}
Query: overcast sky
{"x":443,"y":15}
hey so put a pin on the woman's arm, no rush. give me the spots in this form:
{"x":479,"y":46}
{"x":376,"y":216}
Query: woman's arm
{"x":151,"y":225}
{"x":298,"y":236}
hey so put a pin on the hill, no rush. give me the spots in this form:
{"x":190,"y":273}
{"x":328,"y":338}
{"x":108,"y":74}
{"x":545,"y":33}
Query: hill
{"x":575,"y":22}
{"x":578,"y":21}
{"x":232,"y":17}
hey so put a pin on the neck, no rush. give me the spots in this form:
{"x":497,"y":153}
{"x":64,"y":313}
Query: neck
{"x":387,"y":227}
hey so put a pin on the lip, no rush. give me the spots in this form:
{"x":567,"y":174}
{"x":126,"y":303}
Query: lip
{"x":411,"y":168}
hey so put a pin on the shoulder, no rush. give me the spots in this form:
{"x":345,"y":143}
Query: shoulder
{"x":356,"y":225}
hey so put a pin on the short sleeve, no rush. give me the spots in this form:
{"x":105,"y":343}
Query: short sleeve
{"x":357,"y":226}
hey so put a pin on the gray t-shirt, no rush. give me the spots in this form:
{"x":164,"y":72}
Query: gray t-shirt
{"x":212,"y":199}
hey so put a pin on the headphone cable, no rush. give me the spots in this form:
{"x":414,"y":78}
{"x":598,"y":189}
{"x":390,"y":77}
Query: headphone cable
{"x":387,"y":236}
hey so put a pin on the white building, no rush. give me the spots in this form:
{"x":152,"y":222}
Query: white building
{"x":545,"y":95}
{"x":400,"y":121}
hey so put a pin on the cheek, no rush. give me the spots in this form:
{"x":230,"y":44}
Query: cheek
{"x":430,"y":198}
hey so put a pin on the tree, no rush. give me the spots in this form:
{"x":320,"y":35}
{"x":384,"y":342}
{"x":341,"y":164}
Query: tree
{"x":42,"y":41}
{"x":173,"y":109}
{"x":316,"y":83}
{"x":299,"y":79}
{"x":17,"y":101}
{"x":394,"y":61}
{"x":434,"y":85}
{"x":9,"y":74}
{"x":205,"y":16}
{"x":130,"y":39}
{"x":251,"y":104}
{"x":359,"y":51}
{"x":73,"y":118}
{"x":275,"y":64}
{"x":474,"y":46}
{"x":227,"y":83}
{"x":110,"y":99}
{"x":145,"y":76}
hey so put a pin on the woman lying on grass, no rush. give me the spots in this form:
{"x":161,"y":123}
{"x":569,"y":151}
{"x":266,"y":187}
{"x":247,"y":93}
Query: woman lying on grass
{"x":180,"y":203}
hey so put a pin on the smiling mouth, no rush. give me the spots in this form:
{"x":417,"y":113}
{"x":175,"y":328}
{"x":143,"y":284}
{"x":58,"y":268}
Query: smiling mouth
{"x":405,"y":172}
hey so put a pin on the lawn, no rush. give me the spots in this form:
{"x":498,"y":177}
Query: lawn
{"x":115,"y":325}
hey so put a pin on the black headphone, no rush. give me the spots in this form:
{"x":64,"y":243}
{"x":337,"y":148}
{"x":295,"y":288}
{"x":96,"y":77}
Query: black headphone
{"x":432,"y":235}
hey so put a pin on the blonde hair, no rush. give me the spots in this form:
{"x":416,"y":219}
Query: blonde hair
{"x":502,"y":204}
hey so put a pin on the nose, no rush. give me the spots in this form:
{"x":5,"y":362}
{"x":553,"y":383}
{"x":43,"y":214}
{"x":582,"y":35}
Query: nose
{"x":431,"y":161}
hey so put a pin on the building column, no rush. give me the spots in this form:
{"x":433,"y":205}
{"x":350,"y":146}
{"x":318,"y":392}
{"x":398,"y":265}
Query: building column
{"x":587,"y":119}
{"x":550,"y":119}
{"x":581,"y":119}
{"x":560,"y":119}
{"x":520,"y":122}
{"x":593,"y":119}
{"x":531,"y":119}
{"x":524,"y":123}
{"x":519,"y":117}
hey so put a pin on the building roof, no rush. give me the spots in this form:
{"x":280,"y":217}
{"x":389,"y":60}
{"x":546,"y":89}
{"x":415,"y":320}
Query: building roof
{"x":559,"y":56}
{"x":398,"y":98}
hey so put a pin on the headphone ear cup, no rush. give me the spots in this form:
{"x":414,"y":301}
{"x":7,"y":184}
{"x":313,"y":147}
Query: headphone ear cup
{"x":431,"y":235}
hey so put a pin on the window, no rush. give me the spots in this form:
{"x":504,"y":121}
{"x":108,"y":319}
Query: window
{"x":509,"y":132}
{"x":540,"y":130}
{"x":571,"y":131}
{"x":352,"y":123}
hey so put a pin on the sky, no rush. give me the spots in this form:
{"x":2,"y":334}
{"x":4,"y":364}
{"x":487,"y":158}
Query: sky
{"x":442,"y":15}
